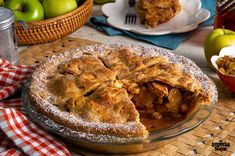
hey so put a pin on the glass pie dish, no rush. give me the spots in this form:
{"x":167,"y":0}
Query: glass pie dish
{"x":105,"y":143}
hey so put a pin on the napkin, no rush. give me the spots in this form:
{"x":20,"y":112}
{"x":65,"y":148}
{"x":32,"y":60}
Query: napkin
{"x":18,"y":135}
{"x":170,"y":41}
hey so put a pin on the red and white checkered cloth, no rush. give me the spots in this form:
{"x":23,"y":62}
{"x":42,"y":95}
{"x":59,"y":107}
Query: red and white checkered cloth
{"x":18,"y":135}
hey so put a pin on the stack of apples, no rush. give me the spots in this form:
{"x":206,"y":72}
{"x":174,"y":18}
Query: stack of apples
{"x":36,"y":10}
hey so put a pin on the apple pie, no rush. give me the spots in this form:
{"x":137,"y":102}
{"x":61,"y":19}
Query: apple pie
{"x":155,"y":12}
{"x":116,"y":92}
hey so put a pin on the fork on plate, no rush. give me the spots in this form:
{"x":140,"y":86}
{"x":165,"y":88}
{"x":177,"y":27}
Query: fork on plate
{"x":131,"y":16}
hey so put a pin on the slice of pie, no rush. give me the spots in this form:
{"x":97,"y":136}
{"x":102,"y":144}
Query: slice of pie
{"x":155,"y":12}
{"x":116,"y":92}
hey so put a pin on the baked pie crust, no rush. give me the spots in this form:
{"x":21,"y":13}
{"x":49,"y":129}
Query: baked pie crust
{"x":115,"y":91}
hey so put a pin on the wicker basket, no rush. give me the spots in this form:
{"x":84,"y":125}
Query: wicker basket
{"x":54,"y":28}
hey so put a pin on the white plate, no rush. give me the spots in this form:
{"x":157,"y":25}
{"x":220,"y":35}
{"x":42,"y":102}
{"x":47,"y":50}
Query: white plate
{"x":188,"y":18}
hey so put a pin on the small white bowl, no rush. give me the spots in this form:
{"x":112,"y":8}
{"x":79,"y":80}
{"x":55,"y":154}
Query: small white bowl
{"x":228,"y":80}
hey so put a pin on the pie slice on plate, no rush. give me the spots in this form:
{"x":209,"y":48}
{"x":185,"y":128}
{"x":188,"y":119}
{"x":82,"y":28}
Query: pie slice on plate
{"x":155,"y":12}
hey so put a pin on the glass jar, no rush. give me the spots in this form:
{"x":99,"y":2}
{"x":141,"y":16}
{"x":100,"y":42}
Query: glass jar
{"x":225,"y":14}
{"x":7,"y":36}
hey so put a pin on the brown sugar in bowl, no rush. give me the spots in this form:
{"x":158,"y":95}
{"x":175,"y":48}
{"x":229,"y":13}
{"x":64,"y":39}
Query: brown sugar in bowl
{"x":227,"y":79}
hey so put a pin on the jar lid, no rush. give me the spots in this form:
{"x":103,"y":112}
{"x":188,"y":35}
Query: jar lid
{"x":6,"y":18}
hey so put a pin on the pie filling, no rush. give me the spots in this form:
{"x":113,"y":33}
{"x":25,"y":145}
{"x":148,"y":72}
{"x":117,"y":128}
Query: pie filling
{"x":102,"y":90}
{"x":161,"y":105}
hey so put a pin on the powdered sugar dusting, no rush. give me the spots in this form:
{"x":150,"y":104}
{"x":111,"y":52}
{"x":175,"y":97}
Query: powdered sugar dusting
{"x":67,"y":132}
{"x":42,"y":98}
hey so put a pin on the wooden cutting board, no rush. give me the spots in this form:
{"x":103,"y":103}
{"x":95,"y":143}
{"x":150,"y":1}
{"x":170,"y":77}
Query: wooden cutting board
{"x":219,"y":126}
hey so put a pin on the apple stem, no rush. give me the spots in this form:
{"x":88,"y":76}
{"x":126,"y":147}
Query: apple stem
{"x":20,"y":8}
{"x":223,"y":30}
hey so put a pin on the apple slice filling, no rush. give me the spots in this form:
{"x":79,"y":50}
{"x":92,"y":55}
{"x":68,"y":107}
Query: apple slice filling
{"x":161,"y":105}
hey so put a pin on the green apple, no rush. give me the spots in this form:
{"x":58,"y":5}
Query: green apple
{"x":1,"y":2}
{"x":101,"y":1}
{"x":26,"y":10}
{"x":216,"y":40}
{"x":53,"y":8}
